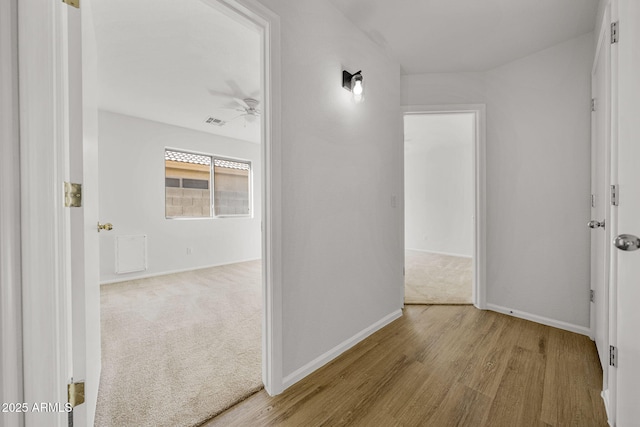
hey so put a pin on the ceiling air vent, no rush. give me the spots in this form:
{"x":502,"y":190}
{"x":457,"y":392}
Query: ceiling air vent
{"x":213,"y":121}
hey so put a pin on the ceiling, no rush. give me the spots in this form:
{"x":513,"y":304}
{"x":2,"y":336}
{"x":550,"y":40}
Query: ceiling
{"x":177,"y":62}
{"x":432,"y":36}
{"x":181,"y":61}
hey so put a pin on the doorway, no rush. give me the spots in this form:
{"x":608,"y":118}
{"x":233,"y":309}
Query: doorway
{"x":444,"y":204}
{"x":61,"y":147}
{"x":180,"y":166}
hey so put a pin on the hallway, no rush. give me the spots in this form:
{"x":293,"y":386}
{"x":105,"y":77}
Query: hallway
{"x":444,"y":366}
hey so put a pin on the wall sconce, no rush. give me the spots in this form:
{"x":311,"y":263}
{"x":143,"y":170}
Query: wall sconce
{"x":354,"y":84}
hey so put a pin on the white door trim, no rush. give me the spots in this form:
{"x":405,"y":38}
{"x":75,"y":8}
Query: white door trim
{"x":610,"y":394}
{"x":479,"y":245}
{"x":272,"y":357}
{"x":10,"y":264}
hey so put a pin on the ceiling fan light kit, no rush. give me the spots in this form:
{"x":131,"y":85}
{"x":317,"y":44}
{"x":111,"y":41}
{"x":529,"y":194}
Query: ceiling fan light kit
{"x":354,"y":83}
{"x":248,"y":107}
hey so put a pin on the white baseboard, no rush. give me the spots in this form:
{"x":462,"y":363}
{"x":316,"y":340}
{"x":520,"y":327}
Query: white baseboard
{"x":605,"y":398}
{"x":582,"y":330}
{"x":164,"y":273}
{"x":439,"y":253}
{"x":327,"y":357}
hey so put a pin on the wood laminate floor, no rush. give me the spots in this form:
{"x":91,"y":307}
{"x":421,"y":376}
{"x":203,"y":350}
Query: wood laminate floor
{"x":441,"y":366}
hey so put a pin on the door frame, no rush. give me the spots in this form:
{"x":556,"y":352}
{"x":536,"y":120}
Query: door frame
{"x":603,"y":46}
{"x":479,"y":295}
{"x":44,"y":32}
{"x":609,"y":392}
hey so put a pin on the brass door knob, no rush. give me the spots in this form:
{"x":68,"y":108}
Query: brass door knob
{"x":107,"y":227}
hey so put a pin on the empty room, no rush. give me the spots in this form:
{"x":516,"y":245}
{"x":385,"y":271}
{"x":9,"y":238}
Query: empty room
{"x":228,"y":188}
{"x":179,"y":150}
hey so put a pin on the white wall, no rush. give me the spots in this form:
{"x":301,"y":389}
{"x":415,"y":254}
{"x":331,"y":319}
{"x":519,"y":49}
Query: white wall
{"x":438,"y":183}
{"x":132,"y":198}
{"x":538,"y":174}
{"x":538,"y":182}
{"x":443,"y":88}
{"x":602,"y":5}
{"x":342,"y":165}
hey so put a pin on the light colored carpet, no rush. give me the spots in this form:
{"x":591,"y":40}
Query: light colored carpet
{"x":181,"y":348}
{"x":437,"y":279}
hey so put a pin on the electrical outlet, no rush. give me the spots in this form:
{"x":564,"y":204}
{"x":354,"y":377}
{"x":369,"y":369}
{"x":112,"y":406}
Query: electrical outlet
{"x":189,"y":251}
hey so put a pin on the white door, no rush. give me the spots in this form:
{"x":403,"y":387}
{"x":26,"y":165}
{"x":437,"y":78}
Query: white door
{"x":83,"y":162}
{"x":626,"y":375}
{"x":600,"y":220}
{"x":56,"y":297}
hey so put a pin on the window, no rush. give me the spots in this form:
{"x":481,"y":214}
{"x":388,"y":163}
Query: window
{"x":231,"y":187}
{"x":191,"y":179}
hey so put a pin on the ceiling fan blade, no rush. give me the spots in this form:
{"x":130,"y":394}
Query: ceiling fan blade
{"x":241,"y":103}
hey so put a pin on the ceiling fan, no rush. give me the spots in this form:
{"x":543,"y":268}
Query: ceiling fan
{"x":246,"y":105}
{"x":249,"y":109}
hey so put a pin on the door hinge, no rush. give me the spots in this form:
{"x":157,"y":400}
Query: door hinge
{"x":614,"y":32}
{"x":613,"y":356}
{"x":75,"y":393}
{"x":614,"y":195}
{"x":74,"y":3}
{"x":593,"y":104}
{"x":592,"y":295}
{"x":72,"y":195}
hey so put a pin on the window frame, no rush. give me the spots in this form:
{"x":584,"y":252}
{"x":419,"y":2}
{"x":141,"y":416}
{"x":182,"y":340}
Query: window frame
{"x":249,"y":189}
{"x":212,"y":186}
